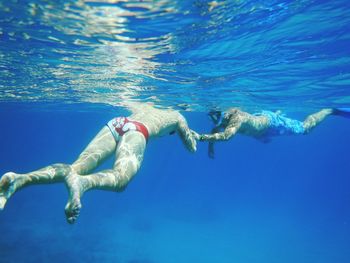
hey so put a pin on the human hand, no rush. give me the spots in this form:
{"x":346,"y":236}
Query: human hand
{"x":195,"y":135}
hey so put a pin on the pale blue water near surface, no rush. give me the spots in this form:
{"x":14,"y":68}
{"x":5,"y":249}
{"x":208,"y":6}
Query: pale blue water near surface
{"x":67,"y":67}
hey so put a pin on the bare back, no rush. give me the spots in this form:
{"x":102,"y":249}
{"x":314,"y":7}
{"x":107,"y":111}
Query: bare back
{"x":159,"y":122}
{"x":246,"y":123}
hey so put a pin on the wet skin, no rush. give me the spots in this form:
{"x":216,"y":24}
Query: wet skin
{"x":237,"y":121}
{"x":129,"y":152}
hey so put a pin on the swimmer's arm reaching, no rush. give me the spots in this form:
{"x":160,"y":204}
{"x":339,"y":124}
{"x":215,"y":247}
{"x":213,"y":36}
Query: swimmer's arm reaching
{"x":229,"y":131}
{"x":187,"y":136}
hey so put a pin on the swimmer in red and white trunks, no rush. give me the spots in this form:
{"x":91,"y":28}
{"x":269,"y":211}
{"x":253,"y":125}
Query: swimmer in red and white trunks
{"x":126,"y":137}
{"x":120,"y":125}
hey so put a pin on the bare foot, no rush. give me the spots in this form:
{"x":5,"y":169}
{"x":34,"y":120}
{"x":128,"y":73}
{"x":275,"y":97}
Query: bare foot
{"x":7,"y":187}
{"x":75,"y":188}
{"x":72,"y":210}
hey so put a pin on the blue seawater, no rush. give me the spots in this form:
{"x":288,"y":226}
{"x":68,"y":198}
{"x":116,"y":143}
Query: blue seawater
{"x":67,"y":67}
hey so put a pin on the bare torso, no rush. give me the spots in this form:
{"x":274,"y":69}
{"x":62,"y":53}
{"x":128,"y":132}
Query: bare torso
{"x":159,"y":122}
{"x":247,"y":124}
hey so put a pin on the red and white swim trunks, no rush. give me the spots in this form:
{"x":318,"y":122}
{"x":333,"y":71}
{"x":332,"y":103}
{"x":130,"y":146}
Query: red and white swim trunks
{"x":121,"y":125}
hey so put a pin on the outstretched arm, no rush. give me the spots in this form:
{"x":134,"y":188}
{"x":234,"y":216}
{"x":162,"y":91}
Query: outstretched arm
{"x":187,"y":136}
{"x":220,"y":136}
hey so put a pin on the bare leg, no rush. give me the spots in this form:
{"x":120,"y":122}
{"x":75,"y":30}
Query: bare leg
{"x":98,"y":150}
{"x":314,"y":119}
{"x":12,"y":182}
{"x":129,"y":156}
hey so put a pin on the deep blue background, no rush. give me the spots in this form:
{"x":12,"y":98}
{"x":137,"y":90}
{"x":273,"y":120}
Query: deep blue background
{"x":285,"y":201}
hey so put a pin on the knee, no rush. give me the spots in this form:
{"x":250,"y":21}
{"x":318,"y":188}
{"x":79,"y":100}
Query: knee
{"x":123,"y":178}
{"x":121,"y":187}
{"x":124,"y":171}
{"x":121,"y":183}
